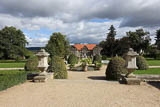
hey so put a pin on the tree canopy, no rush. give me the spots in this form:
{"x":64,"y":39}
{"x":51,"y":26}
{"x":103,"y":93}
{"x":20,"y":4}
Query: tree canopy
{"x":158,"y":38}
{"x":138,"y":40}
{"x":109,"y":45}
{"x":58,"y":45}
{"x":12,"y":43}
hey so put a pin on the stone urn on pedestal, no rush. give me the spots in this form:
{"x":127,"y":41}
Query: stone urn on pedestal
{"x":42,"y":65}
{"x":131,"y":66}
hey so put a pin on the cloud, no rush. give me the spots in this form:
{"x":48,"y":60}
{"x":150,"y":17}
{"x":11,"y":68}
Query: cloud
{"x":74,"y":18}
{"x":133,"y":12}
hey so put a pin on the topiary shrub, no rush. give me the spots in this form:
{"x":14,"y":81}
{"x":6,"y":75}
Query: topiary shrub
{"x":141,"y":63}
{"x":72,"y":60}
{"x":31,"y":64}
{"x":98,"y":66}
{"x":97,"y":58}
{"x":115,"y":67}
{"x":59,"y":68}
{"x":104,"y":57}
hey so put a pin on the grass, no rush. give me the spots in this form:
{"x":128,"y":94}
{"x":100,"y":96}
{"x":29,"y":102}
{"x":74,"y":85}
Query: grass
{"x":153,"y":71}
{"x":10,"y":71}
{"x":153,"y":62}
{"x":11,"y":78}
{"x":12,"y":65}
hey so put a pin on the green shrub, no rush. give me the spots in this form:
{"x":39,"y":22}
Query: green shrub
{"x":31,"y":64}
{"x":141,"y":63}
{"x":115,"y":68}
{"x":11,"y":78}
{"x":59,"y":68}
{"x":72,"y":60}
{"x":97,"y":58}
{"x":86,"y":61}
{"x":98,"y":65}
{"x":104,"y":57}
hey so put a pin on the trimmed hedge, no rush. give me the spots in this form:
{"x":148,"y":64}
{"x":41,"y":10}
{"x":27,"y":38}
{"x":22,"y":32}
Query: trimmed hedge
{"x":115,"y":68}
{"x":11,"y":78}
{"x":104,"y":57}
{"x":72,"y":60}
{"x":141,"y":63}
{"x":97,"y":58}
{"x":59,"y":68}
{"x":31,"y":64}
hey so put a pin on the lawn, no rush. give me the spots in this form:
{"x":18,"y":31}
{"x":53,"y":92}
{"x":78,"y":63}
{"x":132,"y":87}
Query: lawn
{"x":12,"y":64}
{"x":153,"y":71}
{"x":152,"y":62}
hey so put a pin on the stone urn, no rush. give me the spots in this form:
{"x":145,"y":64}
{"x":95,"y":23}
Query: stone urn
{"x":131,"y":65}
{"x":43,"y":61}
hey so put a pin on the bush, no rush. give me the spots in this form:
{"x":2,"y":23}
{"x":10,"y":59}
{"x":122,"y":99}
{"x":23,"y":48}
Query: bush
{"x":141,"y":63}
{"x":97,"y":58}
{"x":59,"y":68}
{"x":31,"y":64}
{"x":72,"y":60}
{"x":115,"y":68}
{"x":104,"y":57}
{"x":98,"y":65}
{"x":11,"y":78}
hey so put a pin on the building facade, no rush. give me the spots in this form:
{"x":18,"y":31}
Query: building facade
{"x":85,"y":50}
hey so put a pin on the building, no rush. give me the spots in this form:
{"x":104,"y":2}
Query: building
{"x":85,"y":50}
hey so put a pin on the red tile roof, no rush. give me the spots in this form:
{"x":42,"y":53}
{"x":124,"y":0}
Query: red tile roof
{"x":80,"y":46}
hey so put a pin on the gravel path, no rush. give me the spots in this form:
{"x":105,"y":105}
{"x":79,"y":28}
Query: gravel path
{"x":82,"y":89}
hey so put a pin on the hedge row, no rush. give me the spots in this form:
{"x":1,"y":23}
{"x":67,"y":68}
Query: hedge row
{"x":11,"y":78}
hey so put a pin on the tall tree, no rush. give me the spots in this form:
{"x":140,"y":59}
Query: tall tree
{"x":139,"y":40}
{"x":12,"y":43}
{"x":122,"y":46}
{"x":158,"y":38}
{"x":109,"y":45}
{"x":58,"y":45}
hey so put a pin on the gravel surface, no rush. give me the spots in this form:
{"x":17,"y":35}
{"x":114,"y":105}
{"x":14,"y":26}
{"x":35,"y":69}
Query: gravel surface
{"x":82,"y":89}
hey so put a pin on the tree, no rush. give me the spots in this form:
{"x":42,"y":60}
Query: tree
{"x":12,"y":43}
{"x":122,"y":46}
{"x":158,"y":38}
{"x":109,"y":45}
{"x":139,"y":40}
{"x":58,"y":45}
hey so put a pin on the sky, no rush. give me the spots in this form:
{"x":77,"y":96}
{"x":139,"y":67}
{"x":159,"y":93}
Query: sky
{"x":82,"y":21}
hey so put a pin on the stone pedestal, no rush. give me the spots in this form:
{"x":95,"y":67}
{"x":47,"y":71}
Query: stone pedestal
{"x":39,"y":79}
{"x":42,"y":66}
{"x":130,"y":78}
{"x":131,"y":81}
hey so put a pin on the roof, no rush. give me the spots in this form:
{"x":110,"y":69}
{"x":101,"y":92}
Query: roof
{"x":80,"y":46}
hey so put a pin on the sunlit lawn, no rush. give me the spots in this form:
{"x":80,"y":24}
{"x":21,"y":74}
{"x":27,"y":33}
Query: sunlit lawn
{"x":153,"y":71}
{"x":153,"y":62}
{"x":11,"y":64}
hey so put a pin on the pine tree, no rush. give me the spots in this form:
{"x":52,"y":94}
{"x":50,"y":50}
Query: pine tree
{"x":109,"y":46}
{"x":158,"y":38}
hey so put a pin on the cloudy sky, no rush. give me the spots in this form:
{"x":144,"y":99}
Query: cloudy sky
{"x":83,"y":21}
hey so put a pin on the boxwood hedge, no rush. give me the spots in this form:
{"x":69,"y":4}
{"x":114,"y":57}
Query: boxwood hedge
{"x":11,"y":78}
